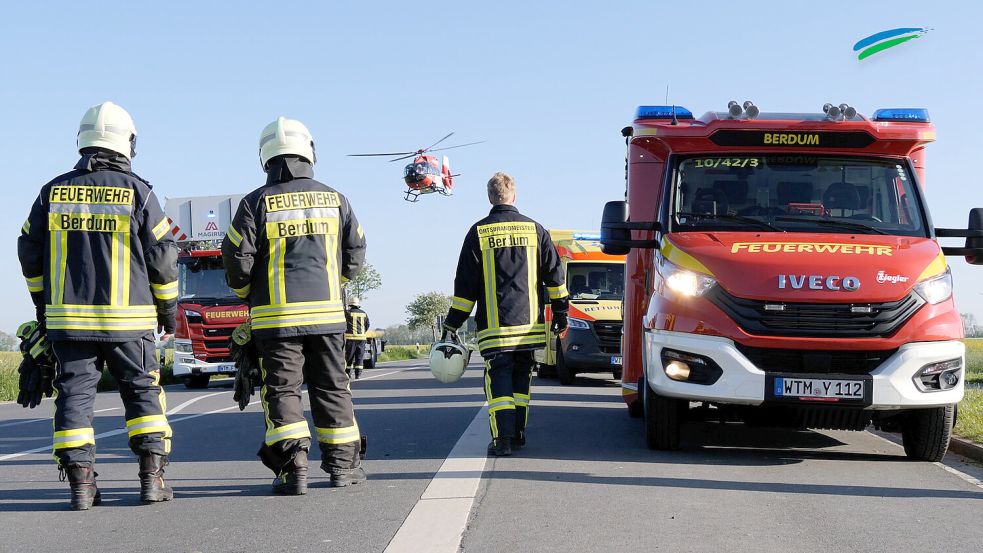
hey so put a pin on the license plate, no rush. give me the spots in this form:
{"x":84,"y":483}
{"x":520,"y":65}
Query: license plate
{"x":819,"y":389}
{"x":615,"y":359}
{"x":226,"y":368}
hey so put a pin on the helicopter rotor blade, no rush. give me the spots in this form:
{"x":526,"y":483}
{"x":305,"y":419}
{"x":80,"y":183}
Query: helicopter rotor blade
{"x":411,"y":154}
{"x":389,"y":154}
{"x":459,"y":146}
{"x":427,"y":149}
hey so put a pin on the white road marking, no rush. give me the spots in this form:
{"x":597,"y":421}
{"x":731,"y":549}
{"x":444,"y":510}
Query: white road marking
{"x":178,"y":409}
{"x":954,"y":471}
{"x":438,"y":520}
{"x":18,"y":423}
{"x":172,"y":421}
{"x":104,"y":410}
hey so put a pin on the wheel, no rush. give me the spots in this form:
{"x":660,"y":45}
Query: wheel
{"x":370,"y":362}
{"x":662,"y":420}
{"x":635,"y":408}
{"x":563,"y":371}
{"x":925,"y":433}
{"x":616,"y":374}
{"x":196,"y":382}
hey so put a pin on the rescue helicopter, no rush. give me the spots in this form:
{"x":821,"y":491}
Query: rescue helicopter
{"x":426,"y":174}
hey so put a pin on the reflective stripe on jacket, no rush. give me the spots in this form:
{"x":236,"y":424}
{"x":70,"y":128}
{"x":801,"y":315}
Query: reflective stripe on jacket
{"x":508,"y":267}
{"x":358,"y":324}
{"x":290,"y":247}
{"x":98,"y":255}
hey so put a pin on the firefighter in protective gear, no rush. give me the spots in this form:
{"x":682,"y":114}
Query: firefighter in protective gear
{"x":292,"y":245}
{"x":101,"y":268}
{"x":507,"y":262}
{"x":357,"y":322}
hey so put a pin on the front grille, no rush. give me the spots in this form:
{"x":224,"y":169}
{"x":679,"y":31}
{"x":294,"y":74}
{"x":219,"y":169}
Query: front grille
{"x":773,"y":360}
{"x":214,"y":332}
{"x":826,"y":320}
{"x":608,"y":336}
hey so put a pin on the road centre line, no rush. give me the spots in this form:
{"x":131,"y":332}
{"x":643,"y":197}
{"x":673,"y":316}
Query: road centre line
{"x":437,"y":522}
{"x":119,"y":431}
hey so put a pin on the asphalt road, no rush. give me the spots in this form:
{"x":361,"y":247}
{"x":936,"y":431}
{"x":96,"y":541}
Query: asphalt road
{"x":585,"y":482}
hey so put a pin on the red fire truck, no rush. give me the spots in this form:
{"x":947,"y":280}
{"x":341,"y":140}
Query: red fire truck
{"x":783,"y":269}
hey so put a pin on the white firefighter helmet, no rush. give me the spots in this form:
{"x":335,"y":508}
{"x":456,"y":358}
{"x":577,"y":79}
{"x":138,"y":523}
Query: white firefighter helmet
{"x":108,"y":126}
{"x":354,"y":301}
{"x":448,"y":359}
{"x":285,"y":137}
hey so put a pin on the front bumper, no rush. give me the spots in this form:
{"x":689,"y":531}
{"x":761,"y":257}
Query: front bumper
{"x":582,"y":352}
{"x":743,"y":383}
{"x":185,"y":364}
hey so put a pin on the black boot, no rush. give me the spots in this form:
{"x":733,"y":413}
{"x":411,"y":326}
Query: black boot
{"x":152,"y":486}
{"x":358,"y":373}
{"x":500,"y":447}
{"x":82,"y":479}
{"x":356,"y":476}
{"x":519,"y":440}
{"x":292,"y":479}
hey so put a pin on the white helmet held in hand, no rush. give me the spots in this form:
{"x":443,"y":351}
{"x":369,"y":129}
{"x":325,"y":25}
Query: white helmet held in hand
{"x":285,"y":137}
{"x":449,"y":358}
{"x":110,"y":127}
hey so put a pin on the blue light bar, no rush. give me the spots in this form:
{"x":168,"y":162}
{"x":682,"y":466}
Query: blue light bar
{"x":586,"y":236}
{"x":662,"y":112}
{"x":908,"y":115}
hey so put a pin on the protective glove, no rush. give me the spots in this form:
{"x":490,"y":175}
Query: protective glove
{"x":37,"y":369}
{"x":246,"y":358}
{"x":559,"y":322}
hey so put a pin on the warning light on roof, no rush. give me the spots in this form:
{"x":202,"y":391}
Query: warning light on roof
{"x":910,"y":115}
{"x":587,"y":236}
{"x":662,"y":112}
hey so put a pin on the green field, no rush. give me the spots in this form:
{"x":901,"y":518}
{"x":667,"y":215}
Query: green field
{"x":974,"y":360}
{"x":400,"y":353}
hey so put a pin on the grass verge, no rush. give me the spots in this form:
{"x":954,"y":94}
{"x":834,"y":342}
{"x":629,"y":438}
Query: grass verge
{"x":401,"y":353}
{"x":970,"y":422}
{"x":974,"y":360}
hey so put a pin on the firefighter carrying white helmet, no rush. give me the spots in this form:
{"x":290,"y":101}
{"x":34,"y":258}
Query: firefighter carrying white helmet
{"x":286,"y":137}
{"x":110,"y":127}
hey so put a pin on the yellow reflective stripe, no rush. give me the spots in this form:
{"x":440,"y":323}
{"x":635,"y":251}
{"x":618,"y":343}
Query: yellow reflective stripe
{"x":161,"y":229}
{"x":262,"y":396}
{"x":557,"y":292}
{"x":331,"y":266}
{"x":296,"y":308}
{"x":149,"y":424}
{"x":277,"y":281}
{"x":531,"y":274}
{"x":359,"y":231}
{"x":682,"y":259}
{"x":292,"y":431}
{"x":521,"y":400}
{"x":242,"y":292}
{"x":234,"y":236}
{"x":491,"y":293}
{"x":935,"y":268}
{"x":537,"y":340}
{"x":302,"y":320}
{"x":76,"y":437}
{"x":35,"y":284}
{"x":119,"y":279}
{"x":164,"y":291}
{"x":512,"y":330}
{"x":488,"y":397}
{"x":462,"y":304}
{"x":108,"y":325}
{"x":59,"y":254}
{"x":343,"y":435}
{"x":26,"y":229}
{"x":102,"y":311}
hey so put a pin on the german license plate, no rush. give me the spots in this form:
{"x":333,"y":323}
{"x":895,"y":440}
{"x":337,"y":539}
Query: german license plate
{"x":819,"y":389}
{"x":226,"y":368}
{"x":615,"y":359}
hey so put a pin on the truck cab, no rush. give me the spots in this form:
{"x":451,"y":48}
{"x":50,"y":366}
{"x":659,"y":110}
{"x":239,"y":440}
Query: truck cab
{"x":595,"y":281}
{"x":783,"y":269}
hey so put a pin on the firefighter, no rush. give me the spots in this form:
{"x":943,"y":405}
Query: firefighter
{"x":507,"y":262}
{"x":358,"y":324}
{"x":101,"y":268}
{"x":292,"y":245}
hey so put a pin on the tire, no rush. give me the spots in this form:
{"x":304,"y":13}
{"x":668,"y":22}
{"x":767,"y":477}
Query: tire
{"x":616,"y":373}
{"x":566,"y":375}
{"x":196,"y":382}
{"x":635,"y":409}
{"x":662,"y":420}
{"x":370,"y":362}
{"x":925,"y":433}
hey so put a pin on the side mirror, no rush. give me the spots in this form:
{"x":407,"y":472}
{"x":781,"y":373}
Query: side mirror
{"x":974,"y":238}
{"x":382,"y":345}
{"x":616,"y":230}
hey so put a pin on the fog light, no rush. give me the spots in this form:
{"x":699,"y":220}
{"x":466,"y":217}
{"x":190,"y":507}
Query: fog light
{"x":949,"y":380}
{"x":688,"y":367}
{"x":575,"y":347}
{"x":677,"y":370}
{"x":935,"y":377}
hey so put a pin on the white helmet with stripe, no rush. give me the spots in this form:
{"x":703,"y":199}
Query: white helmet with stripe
{"x":449,"y":358}
{"x":110,"y":127}
{"x":285,"y":137}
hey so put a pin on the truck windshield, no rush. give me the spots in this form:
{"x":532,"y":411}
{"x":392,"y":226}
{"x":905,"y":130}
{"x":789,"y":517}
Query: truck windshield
{"x":596,"y":281}
{"x":203,"y":278}
{"x":796,"y":193}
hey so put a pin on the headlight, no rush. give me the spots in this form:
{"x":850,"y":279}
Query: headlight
{"x":182,"y":346}
{"x":578,"y":323}
{"x":937,"y":289}
{"x":189,"y":313}
{"x":685,"y":282}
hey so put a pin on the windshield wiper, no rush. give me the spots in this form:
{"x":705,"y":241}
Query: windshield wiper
{"x":832,"y":223}
{"x":725,"y":217}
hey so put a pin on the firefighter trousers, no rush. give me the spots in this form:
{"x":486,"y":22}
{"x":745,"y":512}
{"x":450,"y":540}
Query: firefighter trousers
{"x":285,"y":364}
{"x":134,"y":366}
{"x":508,"y":376}
{"x":354,"y":354}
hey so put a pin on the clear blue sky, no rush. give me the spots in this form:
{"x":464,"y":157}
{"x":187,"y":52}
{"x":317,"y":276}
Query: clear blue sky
{"x":548,"y":84}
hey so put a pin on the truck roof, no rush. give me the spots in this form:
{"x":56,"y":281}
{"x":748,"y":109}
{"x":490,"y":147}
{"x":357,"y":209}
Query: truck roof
{"x":895,"y":132}
{"x":581,"y":245}
{"x":201,"y":218}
